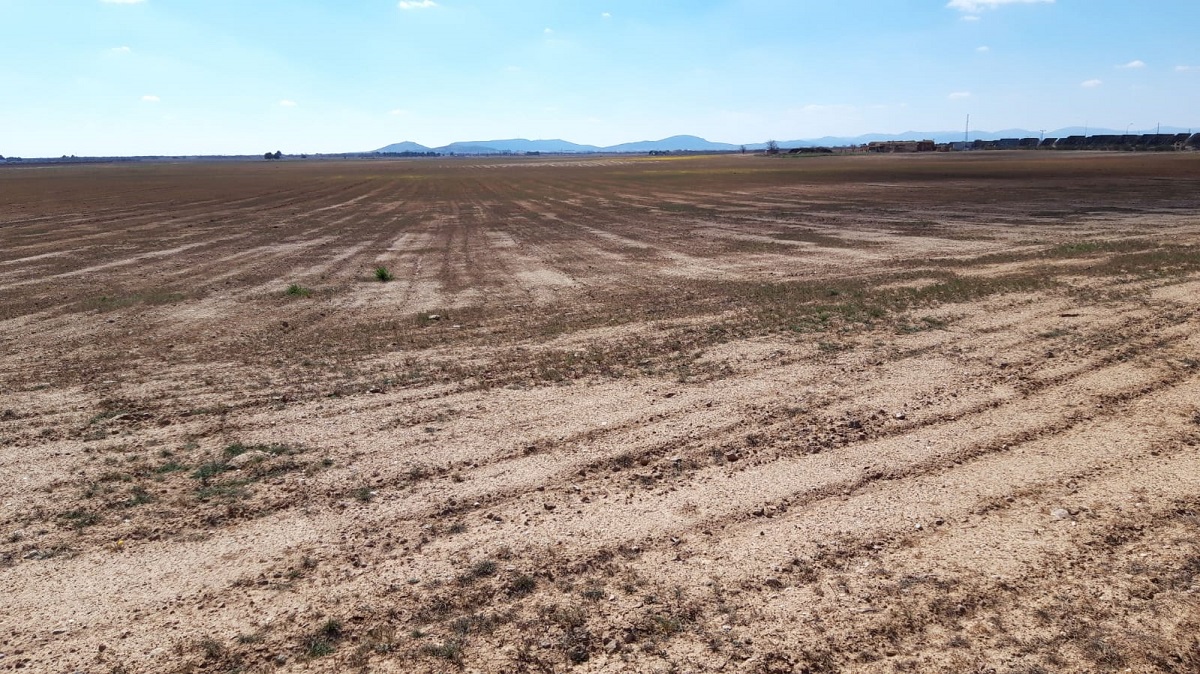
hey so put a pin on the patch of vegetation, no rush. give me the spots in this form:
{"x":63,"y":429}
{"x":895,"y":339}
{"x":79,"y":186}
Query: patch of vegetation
{"x":383,"y":274}
{"x":113,"y":302}
{"x":324,"y":641}
{"x":297,"y":290}
{"x":450,"y":650}
{"x":209,"y":470}
{"x":521,"y":586}
{"x":138,"y":496}
{"x":79,"y":518}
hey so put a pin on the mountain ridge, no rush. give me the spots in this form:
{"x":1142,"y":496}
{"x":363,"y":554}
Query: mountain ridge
{"x":689,"y":143}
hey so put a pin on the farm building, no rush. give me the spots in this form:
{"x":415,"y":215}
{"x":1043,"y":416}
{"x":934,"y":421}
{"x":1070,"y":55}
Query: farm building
{"x":898,"y":146}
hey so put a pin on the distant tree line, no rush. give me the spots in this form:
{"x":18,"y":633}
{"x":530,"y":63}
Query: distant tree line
{"x":273,"y":155}
{"x":408,"y":154}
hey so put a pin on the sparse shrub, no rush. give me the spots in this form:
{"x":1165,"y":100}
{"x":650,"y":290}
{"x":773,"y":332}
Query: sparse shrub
{"x":483,"y":568}
{"x":383,"y":274}
{"x":451,"y":650}
{"x":81,"y":518}
{"x":297,"y":290}
{"x":522,"y":585}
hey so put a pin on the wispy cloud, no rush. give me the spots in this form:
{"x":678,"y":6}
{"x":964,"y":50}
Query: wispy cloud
{"x":287,"y":104}
{"x":398,"y":111}
{"x":121,"y":50}
{"x":1091,"y":84}
{"x":1187,"y":69}
{"x":977,"y":6}
{"x":548,"y":31}
{"x":959,"y":95}
{"x":122,"y":2}
{"x":1133,"y":65}
{"x":984,"y":49}
{"x":970,"y":17}
{"x":605,"y":15}
{"x":417,"y":4}
{"x":151,"y":98}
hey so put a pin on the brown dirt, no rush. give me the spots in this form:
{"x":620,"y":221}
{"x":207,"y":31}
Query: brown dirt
{"x":864,"y":414}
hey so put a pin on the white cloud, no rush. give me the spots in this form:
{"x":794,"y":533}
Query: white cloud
{"x":1133,"y":65}
{"x":1091,"y":84}
{"x":120,"y":50}
{"x":417,"y":4}
{"x":548,"y":31}
{"x":122,"y":2}
{"x":287,"y":104}
{"x":983,"y":50}
{"x":970,"y":17}
{"x":398,"y":111}
{"x":151,"y":98}
{"x":977,"y":6}
{"x":1187,"y":69}
{"x":959,"y":95}
{"x":605,"y":15}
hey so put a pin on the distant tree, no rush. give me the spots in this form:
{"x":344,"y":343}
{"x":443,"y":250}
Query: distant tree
{"x":268,"y":156}
{"x":278,"y":154}
{"x":772,"y":147}
{"x":743,"y":149}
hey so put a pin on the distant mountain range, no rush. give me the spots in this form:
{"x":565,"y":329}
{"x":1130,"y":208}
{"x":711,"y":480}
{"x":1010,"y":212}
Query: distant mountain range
{"x":697,"y":144}
{"x":521,"y":145}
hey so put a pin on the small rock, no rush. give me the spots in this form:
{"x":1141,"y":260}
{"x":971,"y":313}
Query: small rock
{"x":549,"y":506}
{"x":1060,"y":513}
{"x":612,"y":646}
{"x":247,"y":458}
{"x":731,"y":456}
{"x":900,"y":416}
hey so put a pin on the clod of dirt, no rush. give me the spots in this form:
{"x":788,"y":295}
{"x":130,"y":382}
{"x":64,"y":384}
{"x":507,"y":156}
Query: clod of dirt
{"x":1060,"y":513}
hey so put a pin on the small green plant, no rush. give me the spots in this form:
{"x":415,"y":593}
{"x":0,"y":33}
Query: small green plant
{"x":324,"y":640}
{"x":210,"y":470}
{"x":297,"y":290}
{"x":383,"y":274}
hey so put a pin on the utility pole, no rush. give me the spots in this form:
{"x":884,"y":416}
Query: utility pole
{"x":967,"y":132}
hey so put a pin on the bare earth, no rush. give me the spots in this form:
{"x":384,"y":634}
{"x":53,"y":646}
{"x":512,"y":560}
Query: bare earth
{"x":739,"y":414}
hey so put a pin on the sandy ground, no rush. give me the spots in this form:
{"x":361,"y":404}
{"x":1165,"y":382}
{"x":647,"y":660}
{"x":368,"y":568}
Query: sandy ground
{"x":738,"y":414}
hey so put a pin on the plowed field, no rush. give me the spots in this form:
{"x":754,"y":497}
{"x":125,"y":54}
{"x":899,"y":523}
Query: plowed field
{"x":742,"y":414}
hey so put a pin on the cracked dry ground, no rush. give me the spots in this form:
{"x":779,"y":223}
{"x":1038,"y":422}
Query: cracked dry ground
{"x":740,"y":414}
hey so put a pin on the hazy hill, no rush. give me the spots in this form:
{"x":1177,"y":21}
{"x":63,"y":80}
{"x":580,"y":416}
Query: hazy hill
{"x":406,"y":146}
{"x":673,"y":144}
{"x":698,"y":144}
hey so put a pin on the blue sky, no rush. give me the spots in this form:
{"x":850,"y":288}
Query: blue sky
{"x":92,"y":77}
